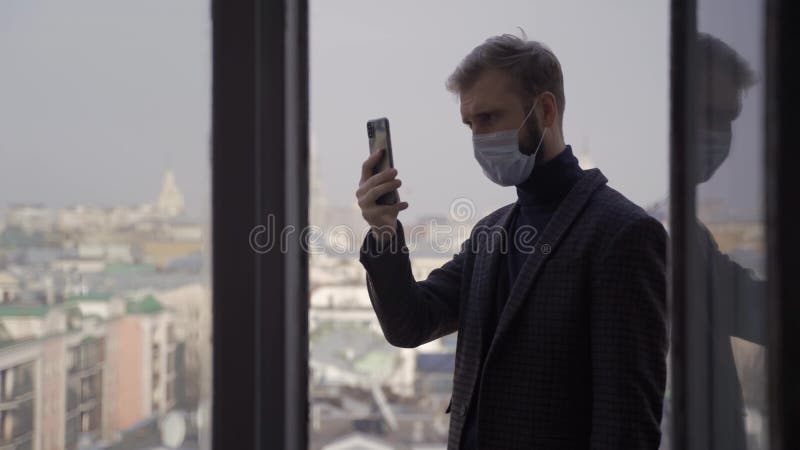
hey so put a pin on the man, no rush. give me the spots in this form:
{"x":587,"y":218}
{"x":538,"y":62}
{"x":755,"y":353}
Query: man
{"x":734,"y":295}
{"x":736,"y":298}
{"x":562,"y":338}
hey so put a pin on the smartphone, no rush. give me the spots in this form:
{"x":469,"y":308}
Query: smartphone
{"x":379,"y":137}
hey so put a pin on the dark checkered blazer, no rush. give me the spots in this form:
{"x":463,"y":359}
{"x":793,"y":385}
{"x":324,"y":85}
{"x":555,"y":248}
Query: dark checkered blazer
{"x":578,"y":359}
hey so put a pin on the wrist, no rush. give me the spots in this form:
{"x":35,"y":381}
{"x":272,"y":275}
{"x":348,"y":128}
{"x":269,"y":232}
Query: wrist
{"x":384,"y":235}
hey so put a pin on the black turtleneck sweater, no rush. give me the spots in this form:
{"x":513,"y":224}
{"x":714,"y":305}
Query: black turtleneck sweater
{"x":537,"y":199}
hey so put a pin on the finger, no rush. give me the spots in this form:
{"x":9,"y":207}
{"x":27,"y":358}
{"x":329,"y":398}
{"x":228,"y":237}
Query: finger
{"x":372,"y":196}
{"x":381,"y":189}
{"x":369,"y":164}
{"x":379,"y":178}
{"x":380,"y":210}
{"x":391,"y":209}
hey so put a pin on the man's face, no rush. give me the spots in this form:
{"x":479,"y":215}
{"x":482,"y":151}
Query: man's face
{"x":719,"y":101}
{"x":493,"y":103}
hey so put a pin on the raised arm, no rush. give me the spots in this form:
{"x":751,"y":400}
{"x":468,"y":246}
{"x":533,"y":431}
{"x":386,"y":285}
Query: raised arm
{"x":411,"y":312}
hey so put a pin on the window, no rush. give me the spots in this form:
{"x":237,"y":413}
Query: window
{"x":365,"y":66}
{"x":734,"y":305}
{"x":104,"y":235}
{"x":730,"y":210}
{"x":260,"y":58}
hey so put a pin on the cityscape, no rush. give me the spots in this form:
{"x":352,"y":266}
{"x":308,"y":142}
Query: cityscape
{"x":105,"y":329}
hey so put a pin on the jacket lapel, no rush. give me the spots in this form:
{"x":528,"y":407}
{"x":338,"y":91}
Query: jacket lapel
{"x":481,"y":298}
{"x":487,"y":261}
{"x":564,"y":216}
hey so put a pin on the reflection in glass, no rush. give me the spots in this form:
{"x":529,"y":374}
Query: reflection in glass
{"x":728,"y":242}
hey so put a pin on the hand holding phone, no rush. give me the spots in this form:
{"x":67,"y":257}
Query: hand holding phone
{"x":380,"y":139}
{"x":377,"y":190}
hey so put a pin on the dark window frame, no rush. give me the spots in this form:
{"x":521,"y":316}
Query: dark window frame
{"x":783,"y":241}
{"x":683,"y":30}
{"x":260,"y":167}
{"x":259,"y":172}
{"x":690,"y":374}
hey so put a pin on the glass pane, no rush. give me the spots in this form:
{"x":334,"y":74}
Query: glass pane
{"x":391,"y":59}
{"x":729,"y":241}
{"x":104,"y":300}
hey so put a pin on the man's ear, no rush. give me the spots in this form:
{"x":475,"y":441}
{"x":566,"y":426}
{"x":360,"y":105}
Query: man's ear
{"x":548,"y":110}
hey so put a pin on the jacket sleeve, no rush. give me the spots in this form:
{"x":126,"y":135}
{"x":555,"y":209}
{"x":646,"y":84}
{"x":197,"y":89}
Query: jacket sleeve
{"x":629,"y":338}
{"x":410,"y":312}
{"x":739,"y":295}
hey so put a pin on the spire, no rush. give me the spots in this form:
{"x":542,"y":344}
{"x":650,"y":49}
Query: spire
{"x":584,"y":160}
{"x":170,"y":199}
{"x":318,"y":203}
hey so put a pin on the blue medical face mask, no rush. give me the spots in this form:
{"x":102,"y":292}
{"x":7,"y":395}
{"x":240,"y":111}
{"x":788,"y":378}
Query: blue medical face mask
{"x":713,"y":147}
{"x":499,"y":155}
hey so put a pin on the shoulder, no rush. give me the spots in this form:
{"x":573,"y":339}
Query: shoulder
{"x":495,"y":217}
{"x":616,"y":217}
{"x":614,"y":211}
{"x":489,"y":226}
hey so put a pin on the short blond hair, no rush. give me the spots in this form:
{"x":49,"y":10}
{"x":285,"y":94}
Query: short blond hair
{"x":531,"y":64}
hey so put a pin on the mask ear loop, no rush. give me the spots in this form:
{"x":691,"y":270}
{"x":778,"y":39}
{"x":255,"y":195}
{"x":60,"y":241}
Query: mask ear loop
{"x":528,"y":115}
{"x":539,"y":145}
{"x":541,"y":139}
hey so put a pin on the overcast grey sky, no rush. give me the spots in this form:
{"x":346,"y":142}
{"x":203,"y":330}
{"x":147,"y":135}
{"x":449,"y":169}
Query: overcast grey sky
{"x":98,"y":97}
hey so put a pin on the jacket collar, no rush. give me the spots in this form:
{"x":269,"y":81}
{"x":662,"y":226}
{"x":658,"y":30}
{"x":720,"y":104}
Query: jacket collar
{"x":488,"y":256}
